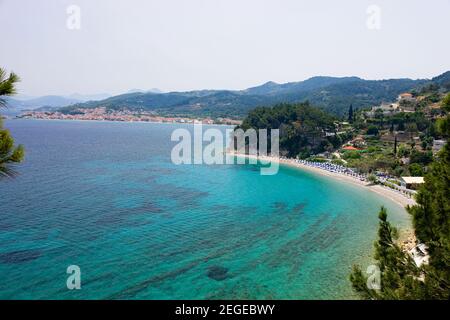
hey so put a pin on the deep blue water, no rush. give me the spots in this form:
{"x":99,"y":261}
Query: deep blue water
{"x":106,"y":197}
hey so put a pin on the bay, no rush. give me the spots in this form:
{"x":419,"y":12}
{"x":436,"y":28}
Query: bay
{"x":106,"y":197}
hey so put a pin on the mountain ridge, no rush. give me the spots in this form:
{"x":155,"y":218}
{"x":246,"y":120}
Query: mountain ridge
{"x":333,"y":94}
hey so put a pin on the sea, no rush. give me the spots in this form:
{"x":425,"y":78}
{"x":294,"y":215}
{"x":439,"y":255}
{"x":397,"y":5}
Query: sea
{"x":106,"y":198}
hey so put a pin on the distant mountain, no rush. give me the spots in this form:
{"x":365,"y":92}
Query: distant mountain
{"x":23,"y":97}
{"x":442,"y":80}
{"x":153,"y":90}
{"x":88,"y":97}
{"x":267,"y":88}
{"x":45,"y":101}
{"x":336,"y":98}
{"x":272,"y":88}
{"x":23,"y":102}
{"x":333,"y":94}
{"x":135,"y":91}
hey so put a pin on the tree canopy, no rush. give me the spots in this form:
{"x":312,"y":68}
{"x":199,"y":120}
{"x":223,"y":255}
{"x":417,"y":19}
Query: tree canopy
{"x":401,"y":278}
{"x":9,"y":154}
{"x":302,"y":128}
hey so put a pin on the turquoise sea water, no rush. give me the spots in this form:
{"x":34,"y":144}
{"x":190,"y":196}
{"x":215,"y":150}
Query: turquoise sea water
{"x":105,"y":196}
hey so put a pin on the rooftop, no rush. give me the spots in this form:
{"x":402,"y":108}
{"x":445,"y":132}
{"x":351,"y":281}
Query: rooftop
{"x":350,"y":148}
{"x":413,"y":180}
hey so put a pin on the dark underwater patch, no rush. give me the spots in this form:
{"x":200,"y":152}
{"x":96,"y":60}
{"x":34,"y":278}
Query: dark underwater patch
{"x":21,"y":256}
{"x":109,"y":219}
{"x":184,"y":197}
{"x":219,"y":207}
{"x":6,"y":227}
{"x":134,"y":290}
{"x":217,"y":273}
{"x":246,"y":289}
{"x":279,"y":207}
{"x":151,"y":207}
{"x":299,"y":208}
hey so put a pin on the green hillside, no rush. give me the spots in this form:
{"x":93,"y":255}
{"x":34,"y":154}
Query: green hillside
{"x":329,"y":93}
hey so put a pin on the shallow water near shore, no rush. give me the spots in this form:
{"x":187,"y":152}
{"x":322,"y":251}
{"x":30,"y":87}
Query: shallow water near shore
{"x":106,"y":197}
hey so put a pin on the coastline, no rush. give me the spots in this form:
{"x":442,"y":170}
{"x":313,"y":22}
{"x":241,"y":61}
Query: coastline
{"x":116,"y":121}
{"x":382,"y":191}
{"x":407,"y":239}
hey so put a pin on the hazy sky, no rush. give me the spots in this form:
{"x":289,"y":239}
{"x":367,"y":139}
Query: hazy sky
{"x":217,"y":44}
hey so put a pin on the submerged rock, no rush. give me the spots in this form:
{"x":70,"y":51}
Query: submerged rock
{"x":19,"y":256}
{"x":217,"y":273}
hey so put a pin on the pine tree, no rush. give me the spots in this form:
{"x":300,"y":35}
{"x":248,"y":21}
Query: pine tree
{"x":395,"y":146}
{"x":400,"y":277}
{"x":398,"y":271}
{"x":350,"y":114}
{"x":431,"y":220}
{"x":9,"y":154}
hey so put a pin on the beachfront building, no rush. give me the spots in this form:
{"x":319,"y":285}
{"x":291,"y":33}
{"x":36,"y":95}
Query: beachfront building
{"x":411,"y":182}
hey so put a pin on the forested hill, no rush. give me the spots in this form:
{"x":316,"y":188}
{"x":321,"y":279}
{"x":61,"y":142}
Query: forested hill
{"x":304,"y":130}
{"x":330,"y":93}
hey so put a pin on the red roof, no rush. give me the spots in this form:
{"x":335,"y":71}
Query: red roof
{"x":350,"y":148}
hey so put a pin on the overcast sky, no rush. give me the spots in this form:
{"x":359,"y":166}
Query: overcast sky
{"x":217,"y":44}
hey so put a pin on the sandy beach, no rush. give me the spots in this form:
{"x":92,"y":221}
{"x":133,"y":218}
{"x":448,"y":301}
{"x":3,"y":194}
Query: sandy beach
{"x":398,"y":198}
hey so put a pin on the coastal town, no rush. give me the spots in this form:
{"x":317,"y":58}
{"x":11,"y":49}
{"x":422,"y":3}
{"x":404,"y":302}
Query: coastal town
{"x":102,"y":114}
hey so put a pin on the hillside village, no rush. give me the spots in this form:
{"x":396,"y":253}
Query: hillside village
{"x":394,"y":141}
{"x":102,"y":114}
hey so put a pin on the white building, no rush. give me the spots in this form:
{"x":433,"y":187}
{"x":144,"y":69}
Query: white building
{"x":385,"y":108}
{"x":438,"y":145}
{"x":406,"y":97}
{"x":411,"y":182}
